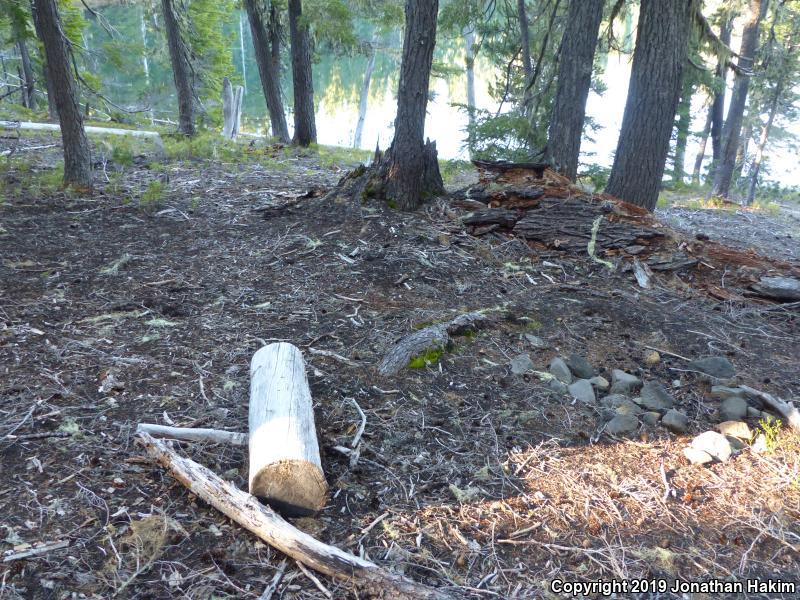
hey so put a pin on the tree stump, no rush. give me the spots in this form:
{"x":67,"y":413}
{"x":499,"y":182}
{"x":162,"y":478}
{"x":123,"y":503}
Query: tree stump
{"x":285,"y":466}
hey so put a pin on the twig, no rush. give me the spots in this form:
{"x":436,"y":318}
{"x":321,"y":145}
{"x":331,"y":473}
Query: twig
{"x":360,"y":432}
{"x":276,"y":581}
{"x":314,"y":579}
{"x":189,"y":434}
{"x":333,"y":355}
{"x":36,"y":551}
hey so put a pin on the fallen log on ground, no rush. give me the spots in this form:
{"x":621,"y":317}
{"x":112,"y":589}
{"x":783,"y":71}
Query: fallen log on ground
{"x":786,"y":409}
{"x":265,"y":523}
{"x":434,"y":338}
{"x":285,"y":466}
{"x":190,"y":434}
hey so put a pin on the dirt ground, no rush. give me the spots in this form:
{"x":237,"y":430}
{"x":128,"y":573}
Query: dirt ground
{"x":116,"y":310}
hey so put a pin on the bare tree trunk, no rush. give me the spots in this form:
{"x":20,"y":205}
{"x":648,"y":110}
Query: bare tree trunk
{"x":733,"y":124}
{"x":682,"y":134}
{"x":755,"y":168}
{"x":701,"y":150}
{"x":469,"y":59}
{"x":661,"y":53}
{"x":574,"y":80}
{"x":29,"y":87}
{"x":364,"y":98}
{"x":718,"y":106}
{"x":305,"y":128}
{"x":241,"y":51}
{"x":77,"y":156}
{"x":742,"y":153}
{"x":268,"y":68}
{"x":525,"y":41}
{"x":181,"y":68}
{"x":413,"y":170}
{"x":52,"y":110}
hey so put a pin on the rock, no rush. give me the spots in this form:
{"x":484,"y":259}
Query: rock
{"x":582,"y":390}
{"x":651,"y":418}
{"x":628,"y":407}
{"x":600,"y":383}
{"x":717,"y":367}
{"x":560,"y":370}
{"x":714,"y":444}
{"x":580,"y":367}
{"x":536,"y":342}
{"x":521,"y":364}
{"x":778,"y":288}
{"x":759,"y":444}
{"x":697,"y":457}
{"x":558,"y":387}
{"x":655,"y":396}
{"x":735,"y":429}
{"x":737,"y":444}
{"x":675,"y":421}
{"x":754,"y":413}
{"x":721,"y":392}
{"x":624,"y":383}
{"x":733,"y":409}
{"x":652,"y":358}
{"x":622,"y":424}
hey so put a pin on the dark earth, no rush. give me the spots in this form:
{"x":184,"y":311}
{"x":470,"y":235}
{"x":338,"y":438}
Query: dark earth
{"x":116,"y":310}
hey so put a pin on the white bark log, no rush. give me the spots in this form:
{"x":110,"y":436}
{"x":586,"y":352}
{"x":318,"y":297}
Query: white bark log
{"x":245,"y":510}
{"x":285,"y":466}
{"x":189,"y":434}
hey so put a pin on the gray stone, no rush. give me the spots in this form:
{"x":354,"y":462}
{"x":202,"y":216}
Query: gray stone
{"x":558,"y":387}
{"x":675,"y":421}
{"x":651,"y":418}
{"x":759,"y":444}
{"x":582,"y":390}
{"x":622,"y":424}
{"x":624,"y":383}
{"x":613,"y":400}
{"x":600,"y":383}
{"x":736,"y":429}
{"x":754,"y":413}
{"x":721,"y":392}
{"x":697,"y":457}
{"x":560,"y":370}
{"x":655,"y":396}
{"x":713,"y":443}
{"x":628,"y":407}
{"x":779,"y":288}
{"x":521,"y":364}
{"x":718,"y":367}
{"x":733,"y":409}
{"x":580,"y":367}
{"x":536,"y":341}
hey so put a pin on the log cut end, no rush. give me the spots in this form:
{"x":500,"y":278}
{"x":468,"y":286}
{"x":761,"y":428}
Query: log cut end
{"x":295,"y":488}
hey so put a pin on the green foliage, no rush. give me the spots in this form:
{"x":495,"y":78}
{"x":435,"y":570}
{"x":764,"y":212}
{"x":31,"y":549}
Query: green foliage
{"x":772,"y":432}
{"x":152,"y":197}
{"x":431,"y":356}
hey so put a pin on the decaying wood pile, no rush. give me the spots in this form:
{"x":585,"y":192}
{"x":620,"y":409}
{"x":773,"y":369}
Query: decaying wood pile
{"x":529,"y":201}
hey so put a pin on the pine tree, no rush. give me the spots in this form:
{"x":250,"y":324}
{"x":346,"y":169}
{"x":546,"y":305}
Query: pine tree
{"x":305,"y":128}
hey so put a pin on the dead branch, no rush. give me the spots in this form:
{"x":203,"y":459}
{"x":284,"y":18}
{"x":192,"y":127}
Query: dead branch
{"x":786,"y":409}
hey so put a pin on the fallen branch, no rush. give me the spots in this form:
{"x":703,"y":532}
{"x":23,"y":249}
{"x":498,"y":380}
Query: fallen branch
{"x":36,"y":550}
{"x":188,"y":434}
{"x":265,"y":523}
{"x":786,"y":409}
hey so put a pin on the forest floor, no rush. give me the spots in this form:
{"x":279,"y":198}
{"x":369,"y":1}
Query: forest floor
{"x":144,"y":302}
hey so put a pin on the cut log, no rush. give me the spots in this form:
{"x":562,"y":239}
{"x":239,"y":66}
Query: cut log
{"x":285,"y":466}
{"x":245,"y":510}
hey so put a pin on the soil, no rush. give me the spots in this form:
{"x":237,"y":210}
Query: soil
{"x":116,"y":311}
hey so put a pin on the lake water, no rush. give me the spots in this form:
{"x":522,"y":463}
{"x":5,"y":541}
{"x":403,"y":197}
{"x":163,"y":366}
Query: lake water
{"x":143,"y":78}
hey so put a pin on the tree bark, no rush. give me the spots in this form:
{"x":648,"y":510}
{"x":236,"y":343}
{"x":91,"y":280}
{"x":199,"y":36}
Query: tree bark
{"x":181,"y":68}
{"x":662,"y":43}
{"x":574,"y":80}
{"x":77,"y":156}
{"x":723,"y":175}
{"x":524,"y":38}
{"x":701,"y":150}
{"x":268,"y":68}
{"x":29,"y":87}
{"x":718,"y":106}
{"x":413,"y":170}
{"x":52,"y":110}
{"x":682,"y":133}
{"x":742,"y":152}
{"x":363,"y":100}
{"x":305,"y":128}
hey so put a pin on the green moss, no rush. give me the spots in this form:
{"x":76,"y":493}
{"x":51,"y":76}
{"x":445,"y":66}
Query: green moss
{"x":532,"y":324}
{"x":431,"y":356}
